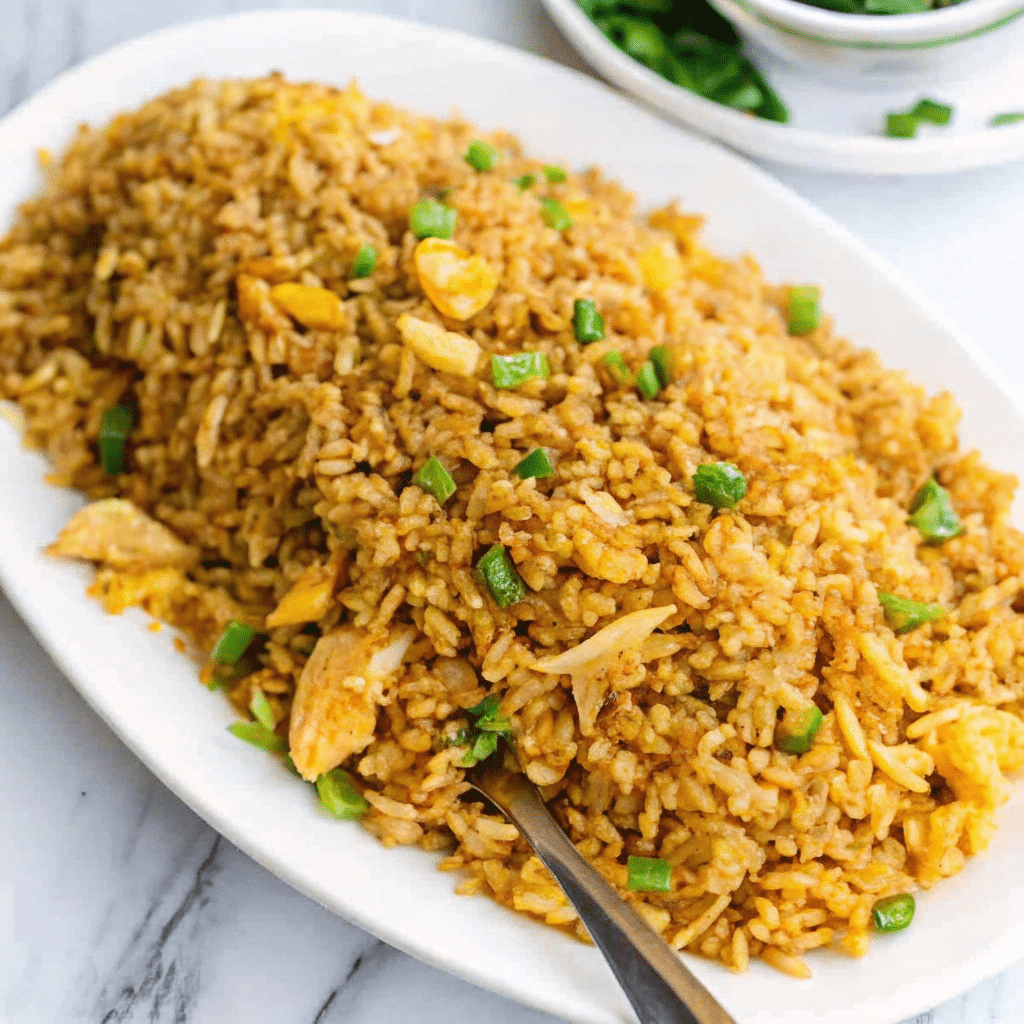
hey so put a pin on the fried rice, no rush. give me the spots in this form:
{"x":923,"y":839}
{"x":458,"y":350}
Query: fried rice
{"x":193,"y":261}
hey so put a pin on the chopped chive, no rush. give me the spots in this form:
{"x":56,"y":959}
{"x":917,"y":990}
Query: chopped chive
{"x":555,"y":214}
{"x":719,"y":483}
{"x":554,"y":174}
{"x":933,"y":112}
{"x":233,"y":642}
{"x":587,"y":323}
{"x":900,"y":125}
{"x":433,"y":478}
{"x":115,"y":426}
{"x":431,"y":219}
{"x":485,"y":744}
{"x":259,"y":736}
{"x":894,"y":913}
{"x":340,"y":796}
{"x":619,"y":370}
{"x":648,"y":874}
{"x":1011,"y":117}
{"x":525,"y":181}
{"x":904,"y":615}
{"x":932,"y":513}
{"x":661,"y":356}
{"x":499,"y":574}
{"x":804,"y":308}
{"x":796,"y":732}
{"x":536,"y":464}
{"x":481,"y":156}
{"x":262,"y":711}
{"x":510,"y":371}
{"x":647,"y":381}
{"x":365,"y":262}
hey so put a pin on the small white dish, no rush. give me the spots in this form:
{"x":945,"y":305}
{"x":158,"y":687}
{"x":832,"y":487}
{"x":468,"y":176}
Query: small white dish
{"x":833,"y":127}
{"x":948,"y":41}
{"x":966,"y":929}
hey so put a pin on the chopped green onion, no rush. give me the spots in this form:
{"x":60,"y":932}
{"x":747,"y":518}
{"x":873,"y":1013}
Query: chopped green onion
{"x":485,"y":744}
{"x":525,"y":181}
{"x":647,"y":381}
{"x":900,"y":125}
{"x":796,"y":732}
{"x":555,"y":214}
{"x":932,"y":513}
{"x":489,"y":717}
{"x":431,"y":219}
{"x":433,"y":478}
{"x":648,"y":874}
{"x":554,"y":174}
{"x":365,"y":262}
{"x":259,"y":736}
{"x":489,"y":725}
{"x":499,"y":574}
{"x":897,"y":6}
{"x":587,"y":323}
{"x":619,"y":370}
{"x":1011,"y":117}
{"x":933,"y":112}
{"x":894,"y":913}
{"x":904,"y":615}
{"x":510,"y":371}
{"x":115,"y":426}
{"x":233,"y":642}
{"x":536,"y":464}
{"x":719,"y":483}
{"x":339,"y":795}
{"x":481,"y":156}
{"x":804,"y":308}
{"x":262,"y":711}
{"x":661,"y":356}
{"x":223,"y":676}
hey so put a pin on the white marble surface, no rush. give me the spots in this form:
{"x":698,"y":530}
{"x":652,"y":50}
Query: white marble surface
{"x":117,"y":904}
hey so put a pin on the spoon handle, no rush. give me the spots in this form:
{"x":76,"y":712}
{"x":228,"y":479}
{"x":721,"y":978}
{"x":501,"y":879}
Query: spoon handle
{"x":656,"y":981}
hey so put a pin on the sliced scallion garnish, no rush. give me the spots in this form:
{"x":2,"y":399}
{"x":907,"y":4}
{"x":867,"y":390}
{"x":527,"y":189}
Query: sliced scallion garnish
{"x":233,"y":642}
{"x":262,"y":711}
{"x":510,"y":371}
{"x":720,"y":484}
{"x":554,"y":174}
{"x":619,"y":370}
{"x":340,"y":796}
{"x":431,"y":219}
{"x":804,"y":308}
{"x":536,"y":464}
{"x":932,"y":513}
{"x":648,"y":874}
{"x":555,"y":215}
{"x":796,"y":732}
{"x":661,"y":356}
{"x":893,"y":913}
{"x":433,"y":478}
{"x":481,"y":156}
{"x":647,"y":381}
{"x":259,"y":736}
{"x":587,"y":322}
{"x":115,"y":426}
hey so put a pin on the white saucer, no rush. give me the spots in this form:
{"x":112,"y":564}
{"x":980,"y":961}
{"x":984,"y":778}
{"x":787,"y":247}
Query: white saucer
{"x":833,"y":126}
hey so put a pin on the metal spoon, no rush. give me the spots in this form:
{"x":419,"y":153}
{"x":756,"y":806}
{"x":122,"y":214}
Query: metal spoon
{"x":656,"y":981}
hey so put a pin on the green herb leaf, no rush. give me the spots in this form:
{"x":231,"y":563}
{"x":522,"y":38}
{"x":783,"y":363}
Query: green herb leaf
{"x":485,"y":744}
{"x":894,"y":913}
{"x":720,"y":484}
{"x":499,"y":574}
{"x":932,"y":513}
{"x":587,"y":323}
{"x":536,"y":464}
{"x":433,"y":478}
{"x":904,"y":615}
{"x":648,"y":874}
{"x":509,"y":372}
{"x":430,"y":219}
{"x":340,"y":796}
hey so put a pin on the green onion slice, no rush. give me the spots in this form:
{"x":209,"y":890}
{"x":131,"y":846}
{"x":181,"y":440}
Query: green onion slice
{"x":796,"y":732}
{"x":536,"y":464}
{"x":661,"y":356}
{"x":933,"y":112}
{"x":1010,"y":117}
{"x":554,"y":174}
{"x":804,"y":308}
{"x":904,"y":615}
{"x":648,"y":874}
{"x":510,"y":371}
{"x":489,"y":717}
{"x":485,"y":744}
{"x":340,"y":796}
{"x":587,"y":323}
{"x":719,"y":483}
{"x":435,"y":480}
{"x":233,"y":642}
{"x":431,"y":219}
{"x":619,"y":370}
{"x":555,"y":214}
{"x":365,"y":262}
{"x":499,"y":574}
{"x":115,"y":426}
{"x":481,"y":156}
{"x":647,"y":381}
{"x":259,"y":735}
{"x":525,"y":181}
{"x":894,"y":913}
{"x":262,"y":711}
{"x":932,"y":513}
{"x":900,"y":125}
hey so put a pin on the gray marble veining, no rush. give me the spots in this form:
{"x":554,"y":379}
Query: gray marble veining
{"x":117,"y":904}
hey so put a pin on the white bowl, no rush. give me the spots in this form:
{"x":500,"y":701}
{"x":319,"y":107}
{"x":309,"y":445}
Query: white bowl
{"x":872,"y":47}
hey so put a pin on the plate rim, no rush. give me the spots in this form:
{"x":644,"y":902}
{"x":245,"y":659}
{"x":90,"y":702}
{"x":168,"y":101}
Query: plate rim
{"x":951,"y":984}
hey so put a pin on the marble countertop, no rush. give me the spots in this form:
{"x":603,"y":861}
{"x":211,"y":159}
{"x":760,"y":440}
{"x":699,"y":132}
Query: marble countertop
{"x":117,"y":904}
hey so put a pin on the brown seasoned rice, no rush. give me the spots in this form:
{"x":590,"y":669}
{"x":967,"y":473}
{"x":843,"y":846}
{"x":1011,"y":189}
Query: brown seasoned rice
{"x":275,"y":443}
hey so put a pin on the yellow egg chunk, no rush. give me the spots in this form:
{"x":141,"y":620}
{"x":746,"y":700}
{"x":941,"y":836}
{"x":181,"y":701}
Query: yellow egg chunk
{"x":438,"y":348}
{"x":309,"y":597}
{"x":661,"y":266}
{"x":456,"y":282}
{"x":311,"y":305}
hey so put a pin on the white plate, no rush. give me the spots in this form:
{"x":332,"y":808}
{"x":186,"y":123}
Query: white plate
{"x":834,"y":127}
{"x":967,"y":929}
